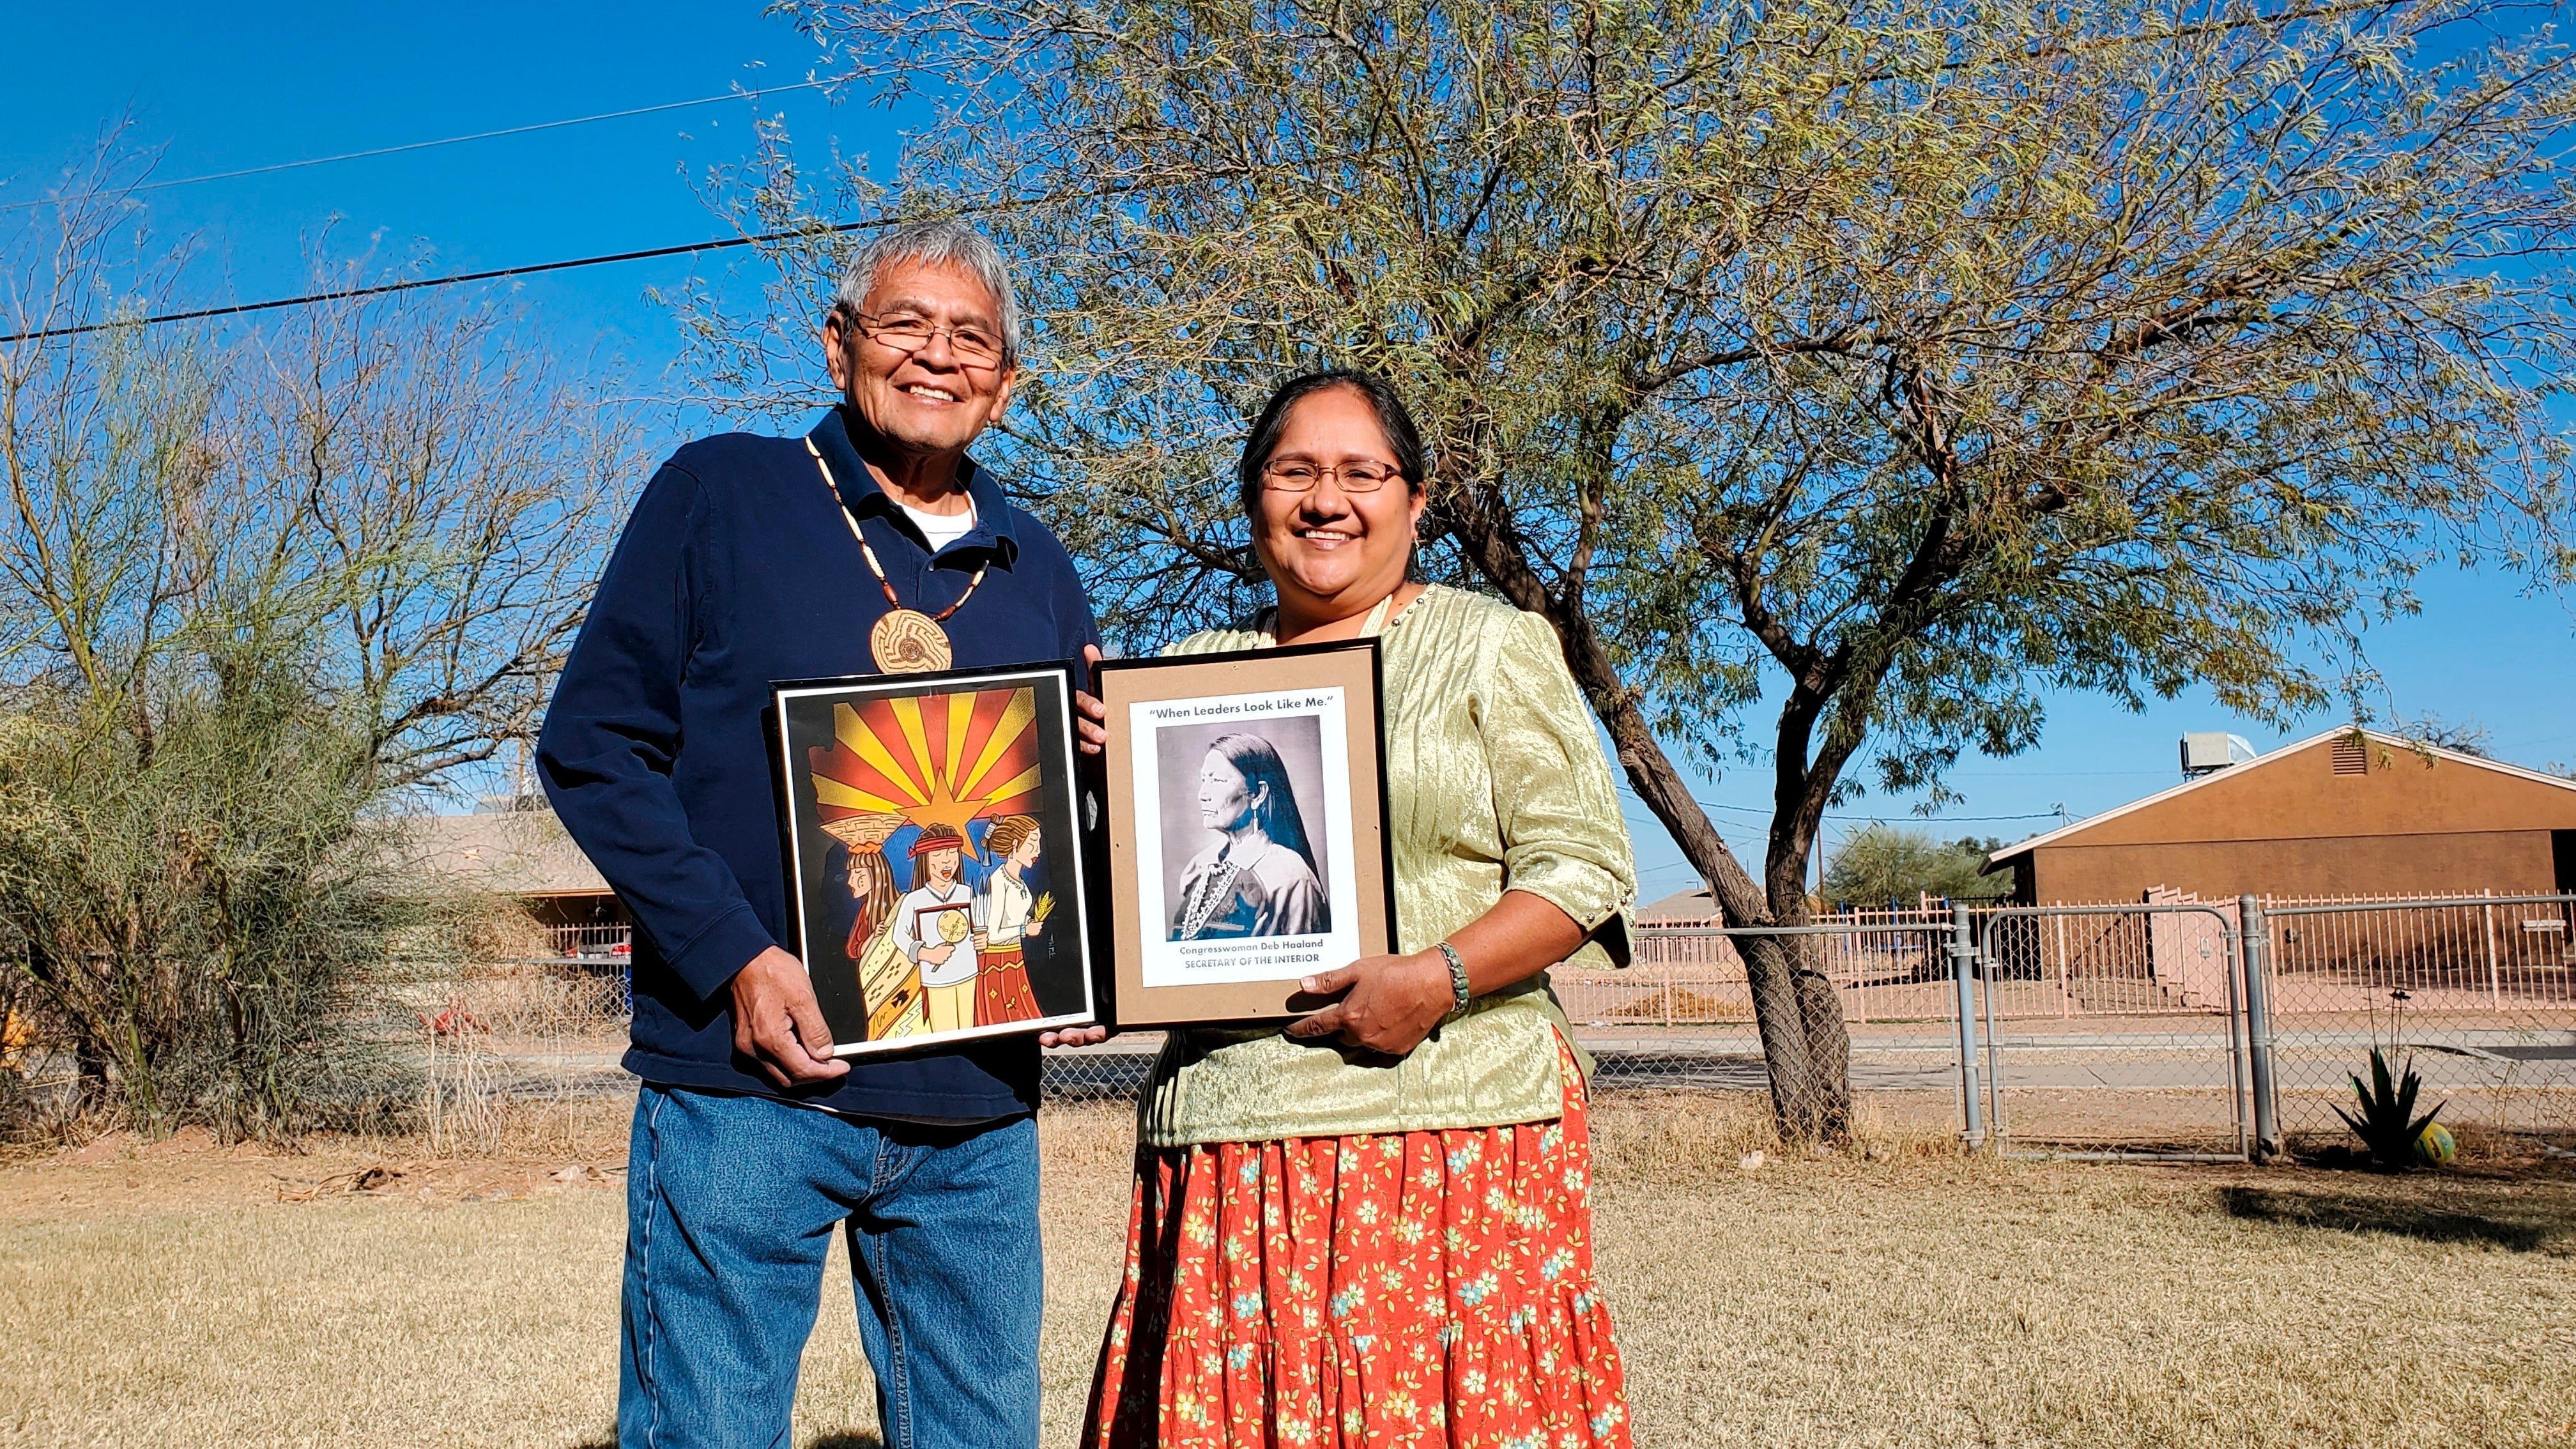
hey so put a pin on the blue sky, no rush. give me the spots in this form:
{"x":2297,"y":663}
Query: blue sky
{"x":221,"y":88}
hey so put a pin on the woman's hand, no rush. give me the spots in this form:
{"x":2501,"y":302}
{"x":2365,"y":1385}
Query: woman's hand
{"x":1090,"y":716}
{"x":1075,"y":1036}
{"x":1394,"y":1002}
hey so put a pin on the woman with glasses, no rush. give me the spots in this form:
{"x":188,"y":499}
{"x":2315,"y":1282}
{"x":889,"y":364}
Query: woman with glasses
{"x":1372,"y":1227}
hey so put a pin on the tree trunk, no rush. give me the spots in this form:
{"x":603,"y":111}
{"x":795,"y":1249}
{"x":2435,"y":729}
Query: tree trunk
{"x":1799,"y":792}
{"x":1804,"y":1047}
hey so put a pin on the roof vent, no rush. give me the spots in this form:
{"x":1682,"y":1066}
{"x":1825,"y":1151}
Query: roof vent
{"x":2351,"y":756}
{"x":2208,"y":751}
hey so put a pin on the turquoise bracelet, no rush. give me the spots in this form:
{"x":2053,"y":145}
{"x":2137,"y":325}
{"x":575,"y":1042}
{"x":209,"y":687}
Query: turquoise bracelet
{"x":1457,"y":979}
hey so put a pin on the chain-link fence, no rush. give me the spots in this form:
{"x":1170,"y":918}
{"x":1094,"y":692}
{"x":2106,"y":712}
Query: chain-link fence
{"x":2476,"y":993}
{"x":2127,"y":1027}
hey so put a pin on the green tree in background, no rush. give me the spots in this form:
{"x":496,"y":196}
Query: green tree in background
{"x":258,"y":592}
{"x":1835,"y":380}
{"x":1878,"y":866}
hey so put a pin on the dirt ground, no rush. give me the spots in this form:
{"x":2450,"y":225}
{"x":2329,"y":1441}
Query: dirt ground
{"x":363,"y":1292}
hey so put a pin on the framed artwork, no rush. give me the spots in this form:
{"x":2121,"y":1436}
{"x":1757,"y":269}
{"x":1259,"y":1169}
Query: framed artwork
{"x":935,"y":860}
{"x":1247,"y":829}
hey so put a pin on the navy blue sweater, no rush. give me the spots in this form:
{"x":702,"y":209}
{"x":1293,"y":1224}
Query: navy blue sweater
{"x":735,"y":572}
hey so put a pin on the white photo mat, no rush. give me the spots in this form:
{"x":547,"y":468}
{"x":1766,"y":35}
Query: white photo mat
{"x":1168,"y":963}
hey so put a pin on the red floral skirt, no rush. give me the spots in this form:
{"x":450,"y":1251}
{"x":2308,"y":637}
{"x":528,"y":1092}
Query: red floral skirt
{"x":1417,"y":1288}
{"x":1002,"y":987}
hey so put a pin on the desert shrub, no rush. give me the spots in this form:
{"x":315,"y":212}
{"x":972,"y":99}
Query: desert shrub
{"x":193,"y":907}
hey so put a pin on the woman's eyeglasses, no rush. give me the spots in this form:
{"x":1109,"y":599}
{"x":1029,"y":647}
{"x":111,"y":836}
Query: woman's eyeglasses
{"x":1297,"y":475}
{"x":905,"y":333}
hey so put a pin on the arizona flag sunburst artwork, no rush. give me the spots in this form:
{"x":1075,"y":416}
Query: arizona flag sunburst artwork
{"x":934,"y":855}
{"x":932,"y":759}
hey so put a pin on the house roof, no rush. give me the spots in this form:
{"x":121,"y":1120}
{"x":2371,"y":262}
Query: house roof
{"x":1694,"y":906}
{"x":2232,"y":772}
{"x":519,"y":853}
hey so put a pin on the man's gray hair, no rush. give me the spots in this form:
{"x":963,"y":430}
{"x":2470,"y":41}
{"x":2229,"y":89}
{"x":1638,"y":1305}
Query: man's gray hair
{"x":948,"y":242}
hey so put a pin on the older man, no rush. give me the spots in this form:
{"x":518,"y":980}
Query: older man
{"x":873,"y":543}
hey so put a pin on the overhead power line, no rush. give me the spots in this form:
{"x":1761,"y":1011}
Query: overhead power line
{"x":531,"y":269}
{"x":453,"y":140}
{"x":453,"y":279}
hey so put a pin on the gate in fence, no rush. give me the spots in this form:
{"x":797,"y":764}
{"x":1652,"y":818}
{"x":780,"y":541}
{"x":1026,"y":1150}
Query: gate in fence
{"x":2130,"y":1029}
{"x":2084,"y":1027}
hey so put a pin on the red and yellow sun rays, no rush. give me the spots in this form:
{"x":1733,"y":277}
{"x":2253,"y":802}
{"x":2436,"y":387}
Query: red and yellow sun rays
{"x":934,"y":760}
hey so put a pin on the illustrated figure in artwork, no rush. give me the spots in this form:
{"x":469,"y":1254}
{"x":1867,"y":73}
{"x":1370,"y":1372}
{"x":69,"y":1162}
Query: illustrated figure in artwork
{"x":933,"y":928}
{"x":889,"y":982}
{"x":1261,"y":880}
{"x":1007,"y":917}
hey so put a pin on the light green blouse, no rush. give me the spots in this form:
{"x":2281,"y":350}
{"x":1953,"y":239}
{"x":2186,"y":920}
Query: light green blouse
{"x":1495,"y":782}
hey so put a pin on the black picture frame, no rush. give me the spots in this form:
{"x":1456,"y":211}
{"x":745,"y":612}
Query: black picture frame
{"x":870,"y":767}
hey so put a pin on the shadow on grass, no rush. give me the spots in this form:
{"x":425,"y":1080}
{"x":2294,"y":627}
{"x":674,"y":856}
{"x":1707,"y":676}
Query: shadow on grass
{"x":2354,"y":1212}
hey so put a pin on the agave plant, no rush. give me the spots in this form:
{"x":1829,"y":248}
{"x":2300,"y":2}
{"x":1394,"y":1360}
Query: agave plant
{"x":2388,"y":1125}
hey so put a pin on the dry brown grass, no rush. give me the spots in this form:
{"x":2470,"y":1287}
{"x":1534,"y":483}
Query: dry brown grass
{"x":1897,"y":1296}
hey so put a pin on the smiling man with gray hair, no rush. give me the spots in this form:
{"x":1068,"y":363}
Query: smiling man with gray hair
{"x":871,"y":544}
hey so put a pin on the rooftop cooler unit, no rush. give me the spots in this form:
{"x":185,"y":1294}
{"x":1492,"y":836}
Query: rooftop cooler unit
{"x":2207,"y":751}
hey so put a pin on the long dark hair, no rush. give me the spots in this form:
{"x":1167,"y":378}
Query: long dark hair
{"x":1412,"y":458}
{"x":1257,"y":760}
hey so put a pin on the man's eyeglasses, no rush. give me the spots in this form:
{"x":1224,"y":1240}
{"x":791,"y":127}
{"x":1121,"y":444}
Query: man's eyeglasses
{"x":1297,"y":475}
{"x":906,"y":333}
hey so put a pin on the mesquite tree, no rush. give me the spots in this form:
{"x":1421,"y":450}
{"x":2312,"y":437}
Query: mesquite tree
{"x":1880,"y":367}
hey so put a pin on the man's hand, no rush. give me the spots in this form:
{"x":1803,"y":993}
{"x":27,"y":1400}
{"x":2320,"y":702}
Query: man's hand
{"x":937,"y":955}
{"x":1394,"y":1002}
{"x":1075,"y":1036}
{"x":778,"y":1023}
{"x":1089,"y":714}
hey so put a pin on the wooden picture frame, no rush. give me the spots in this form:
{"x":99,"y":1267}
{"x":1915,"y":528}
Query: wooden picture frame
{"x":1279,"y":751}
{"x":875,"y":772}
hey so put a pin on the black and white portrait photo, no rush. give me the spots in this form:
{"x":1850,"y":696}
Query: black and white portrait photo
{"x":1242,"y":817}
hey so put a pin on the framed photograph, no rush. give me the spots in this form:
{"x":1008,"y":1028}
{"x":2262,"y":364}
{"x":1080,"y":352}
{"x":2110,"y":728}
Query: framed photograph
{"x":1247,"y":829}
{"x":934,"y":853}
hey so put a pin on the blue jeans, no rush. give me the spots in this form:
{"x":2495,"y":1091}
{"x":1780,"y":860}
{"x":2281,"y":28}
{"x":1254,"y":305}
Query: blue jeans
{"x":730,"y":1206}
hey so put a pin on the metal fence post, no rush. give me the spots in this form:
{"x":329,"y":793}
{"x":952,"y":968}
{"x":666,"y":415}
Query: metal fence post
{"x":2254,"y":952}
{"x":1963,"y":951}
{"x":2495,"y":984}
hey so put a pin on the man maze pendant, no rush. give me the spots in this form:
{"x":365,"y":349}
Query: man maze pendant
{"x":907,"y":641}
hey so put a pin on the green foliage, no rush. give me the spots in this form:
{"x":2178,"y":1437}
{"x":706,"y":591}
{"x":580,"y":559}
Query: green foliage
{"x":2387,"y":1124}
{"x":190,"y":917}
{"x":1882,"y":865}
